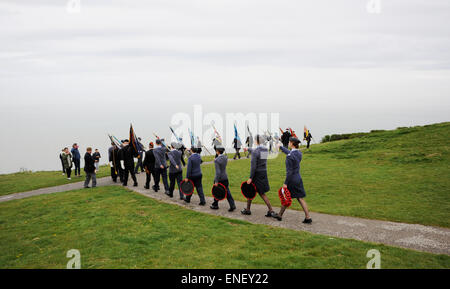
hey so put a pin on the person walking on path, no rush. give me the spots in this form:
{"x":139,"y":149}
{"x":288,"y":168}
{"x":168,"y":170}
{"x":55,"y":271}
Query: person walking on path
{"x":160,"y":165}
{"x":237,"y":148}
{"x":149,"y":166}
{"x":89,"y":169}
{"x":67,"y":162}
{"x":221,"y":177}
{"x":293,"y":181}
{"x":258,"y":176}
{"x":76,"y":159}
{"x":140,"y":158}
{"x":175,"y":170}
{"x":194,"y":173}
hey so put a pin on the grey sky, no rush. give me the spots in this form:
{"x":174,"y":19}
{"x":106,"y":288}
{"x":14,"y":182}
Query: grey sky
{"x":327,"y":64}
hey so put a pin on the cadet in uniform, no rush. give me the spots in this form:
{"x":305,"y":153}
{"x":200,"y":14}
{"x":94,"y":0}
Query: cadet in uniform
{"x":175,"y":170}
{"x":160,"y":166}
{"x":293,"y":181}
{"x":258,"y":176}
{"x":221,"y":177}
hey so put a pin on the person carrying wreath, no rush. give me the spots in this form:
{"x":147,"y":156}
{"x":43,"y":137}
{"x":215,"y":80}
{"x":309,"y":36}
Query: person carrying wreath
{"x":293,"y":181}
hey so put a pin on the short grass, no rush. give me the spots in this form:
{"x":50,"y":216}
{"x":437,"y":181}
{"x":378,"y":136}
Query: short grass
{"x":27,"y":181}
{"x":116,"y":228}
{"x":400,"y":175}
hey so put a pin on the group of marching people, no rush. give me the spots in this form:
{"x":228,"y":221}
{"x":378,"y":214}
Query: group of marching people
{"x":166,"y":162}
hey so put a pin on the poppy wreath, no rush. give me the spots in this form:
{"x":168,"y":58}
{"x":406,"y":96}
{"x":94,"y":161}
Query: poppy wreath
{"x":285,"y":197}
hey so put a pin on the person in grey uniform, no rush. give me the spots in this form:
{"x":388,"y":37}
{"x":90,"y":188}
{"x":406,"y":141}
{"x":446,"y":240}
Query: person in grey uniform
{"x":175,"y":170}
{"x":293,"y":181}
{"x":221,"y":176}
{"x":194,"y":173}
{"x":160,"y":166}
{"x":258,"y":176}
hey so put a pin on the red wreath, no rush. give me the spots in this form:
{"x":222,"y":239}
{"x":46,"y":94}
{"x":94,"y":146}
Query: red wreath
{"x":285,"y":197}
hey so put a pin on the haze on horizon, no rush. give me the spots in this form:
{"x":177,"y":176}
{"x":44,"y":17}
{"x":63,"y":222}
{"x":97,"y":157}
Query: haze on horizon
{"x":330,"y":65}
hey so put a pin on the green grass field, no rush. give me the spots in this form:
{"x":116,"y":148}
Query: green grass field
{"x":27,"y":181}
{"x":116,"y":228}
{"x":400,"y":175}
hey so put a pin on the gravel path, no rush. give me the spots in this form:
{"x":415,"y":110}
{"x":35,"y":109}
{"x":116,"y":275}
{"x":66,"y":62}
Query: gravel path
{"x":411,"y":236}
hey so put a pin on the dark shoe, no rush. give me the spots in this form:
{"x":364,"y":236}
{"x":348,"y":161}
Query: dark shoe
{"x":181,"y":198}
{"x":146,"y":187}
{"x":87,"y":187}
{"x":273,"y":215}
{"x":231,"y":209}
{"x":187,"y":201}
{"x":246,"y":212}
{"x":135,"y":184}
{"x":202,"y":203}
{"x":307,"y":221}
{"x":124,"y":184}
{"x":169,"y":194}
{"x":214,"y":207}
{"x":136,"y":173}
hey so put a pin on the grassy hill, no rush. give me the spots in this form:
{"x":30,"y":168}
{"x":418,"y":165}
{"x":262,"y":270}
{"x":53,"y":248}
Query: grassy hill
{"x":116,"y":228}
{"x":398,"y":175}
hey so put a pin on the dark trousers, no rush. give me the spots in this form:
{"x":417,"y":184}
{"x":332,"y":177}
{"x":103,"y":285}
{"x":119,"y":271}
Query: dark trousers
{"x":62,"y":164}
{"x":229,"y":196}
{"x":114,"y":174}
{"x":126,"y":172}
{"x":237,"y":154}
{"x":198,"y":185}
{"x":76,"y":162}
{"x":161,"y":173}
{"x":178,"y":177}
{"x":120,"y":172}
{"x":90,"y":176}
{"x":148,"y":178}
{"x":68,"y":172}
{"x":307,"y":143}
{"x":139,"y":164}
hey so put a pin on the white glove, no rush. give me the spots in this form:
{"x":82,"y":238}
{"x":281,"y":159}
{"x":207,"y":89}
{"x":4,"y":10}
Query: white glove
{"x":122,"y":165}
{"x":110,"y":164}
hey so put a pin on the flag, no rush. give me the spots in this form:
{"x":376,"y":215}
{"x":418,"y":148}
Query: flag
{"x":292,"y":132}
{"x":236,"y":135}
{"x":178,"y":139}
{"x":135,"y":144}
{"x":115,"y":141}
{"x":305,"y":132}
{"x":192,"y":138}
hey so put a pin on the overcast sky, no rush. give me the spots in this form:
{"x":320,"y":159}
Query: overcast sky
{"x":331,"y":65}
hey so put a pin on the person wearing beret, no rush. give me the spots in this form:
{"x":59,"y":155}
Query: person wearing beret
{"x":175,"y":169}
{"x":221,"y":177}
{"x":194,"y":173}
{"x":258,"y":176}
{"x":293,"y":181}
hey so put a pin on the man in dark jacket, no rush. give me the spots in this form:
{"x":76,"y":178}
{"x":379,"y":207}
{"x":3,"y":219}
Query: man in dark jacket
{"x":149,"y":166}
{"x":89,"y":168}
{"x":285,"y":138}
{"x":114,"y":163}
{"x":127,"y":163}
{"x":76,"y":159}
